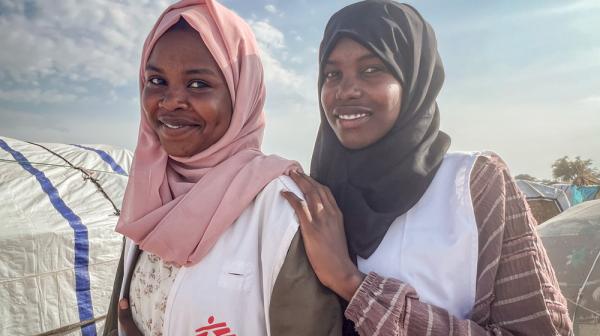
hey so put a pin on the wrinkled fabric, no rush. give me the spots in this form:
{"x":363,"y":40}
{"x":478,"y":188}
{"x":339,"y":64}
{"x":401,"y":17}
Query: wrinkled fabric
{"x":376,"y":184}
{"x":176,"y":207}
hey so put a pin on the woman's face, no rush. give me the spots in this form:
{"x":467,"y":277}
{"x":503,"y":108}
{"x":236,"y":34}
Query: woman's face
{"x":360,"y":97}
{"x":185,"y":96}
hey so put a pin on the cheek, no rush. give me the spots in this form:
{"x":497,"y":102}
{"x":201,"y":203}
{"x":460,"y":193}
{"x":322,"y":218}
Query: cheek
{"x":219,"y":110}
{"x":391,"y":98}
{"x":327,"y":98}
{"x":149,"y":102}
{"x":226,"y":113}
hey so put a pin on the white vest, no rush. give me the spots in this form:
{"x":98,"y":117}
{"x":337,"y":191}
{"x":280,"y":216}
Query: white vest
{"x":231,"y":287}
{"x":434,"y":246}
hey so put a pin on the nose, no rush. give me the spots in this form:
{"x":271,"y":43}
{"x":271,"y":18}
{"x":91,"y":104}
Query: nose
{"x":348,"y":89}
{"x":174,"y":99}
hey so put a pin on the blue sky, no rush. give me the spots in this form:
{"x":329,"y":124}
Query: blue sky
{"x":522,"y":77}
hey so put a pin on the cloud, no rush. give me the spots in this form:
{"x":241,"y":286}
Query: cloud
{"x":267,"y":35}
{"x":271,"y":9}
{"x":591,"y":101}
{"x":14,"y":122}
{"x":36,"y":96}
{"x":291,"y":97}
{"x":526,"y":17}
{"x":568,"y":8}
{"x":86,"y":53}
{"x":91,"y":128}
{"x":273,"y":51}
{"x":74,"y":41}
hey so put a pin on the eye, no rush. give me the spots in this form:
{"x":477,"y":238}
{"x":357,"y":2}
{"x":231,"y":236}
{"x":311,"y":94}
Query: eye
{"x":156,"y":81}
{"x":329,"y":75}
{"x":372,"y":69}
{"x":198,"y":84}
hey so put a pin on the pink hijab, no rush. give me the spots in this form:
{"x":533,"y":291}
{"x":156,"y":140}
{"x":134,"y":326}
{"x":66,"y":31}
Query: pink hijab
{"x":178,"y":207}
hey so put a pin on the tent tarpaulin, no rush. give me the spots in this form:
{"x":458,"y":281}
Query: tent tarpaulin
{"x":572,"y":240}
{"x":579,"y":194}
{"x":58,"y":248}
{"x":545,"y":201}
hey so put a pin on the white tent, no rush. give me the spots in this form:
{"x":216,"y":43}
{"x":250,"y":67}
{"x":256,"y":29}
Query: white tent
{"x":572,"y":240}
{"x":59,"y":205}
{"x":545,"y":201}
{"x":533,"y":190}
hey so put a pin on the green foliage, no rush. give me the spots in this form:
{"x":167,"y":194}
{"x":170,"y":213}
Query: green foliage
{"x":570,"y":171}
{"x":526,"y":177}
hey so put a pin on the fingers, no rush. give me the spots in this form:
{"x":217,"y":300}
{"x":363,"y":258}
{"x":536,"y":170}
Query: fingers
{"x":124,"y":312}
{"x":299,"y":206}
{"x":311,"y":191}
{"x":325,"y":193}
{"x":126,"y":319}
{"x":318,"y":196}
{"x":123,"y":304}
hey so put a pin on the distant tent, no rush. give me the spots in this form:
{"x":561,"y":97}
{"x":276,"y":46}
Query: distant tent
{"x":58,"y":249}
{"x":572,"y":240}
{"x":545,"y":201}
{"x":579,"y":193}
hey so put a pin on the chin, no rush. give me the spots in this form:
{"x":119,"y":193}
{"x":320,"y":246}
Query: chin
{"x":175,"y":153}
{"x":177,"y":150}
{"x":353,"y":144}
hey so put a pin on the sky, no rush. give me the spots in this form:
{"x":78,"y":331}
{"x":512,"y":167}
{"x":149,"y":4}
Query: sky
{"x":522,"y":77}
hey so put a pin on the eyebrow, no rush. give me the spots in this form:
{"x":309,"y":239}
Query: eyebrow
{"x":199,"y":71}
{"x":360,"y":59}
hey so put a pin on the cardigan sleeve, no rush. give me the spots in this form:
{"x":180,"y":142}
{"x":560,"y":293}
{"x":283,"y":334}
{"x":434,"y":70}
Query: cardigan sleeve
{"x":300,"y":305}
{"x":111,"y":325}
{"x":516,"y":294}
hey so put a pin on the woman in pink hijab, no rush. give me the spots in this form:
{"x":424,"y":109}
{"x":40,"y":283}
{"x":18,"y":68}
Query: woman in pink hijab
{"x":211,"y":246}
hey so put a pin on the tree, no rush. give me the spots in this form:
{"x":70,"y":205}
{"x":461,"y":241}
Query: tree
{"x":526,"y":177}
{"x":576,"y":171}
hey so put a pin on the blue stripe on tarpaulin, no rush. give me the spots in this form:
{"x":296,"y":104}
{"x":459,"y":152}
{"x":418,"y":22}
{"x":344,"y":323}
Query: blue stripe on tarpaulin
{"x":107,"y":158}
{"x":82,"y":276}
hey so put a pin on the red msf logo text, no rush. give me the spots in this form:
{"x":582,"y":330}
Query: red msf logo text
{"x":216,"y":329}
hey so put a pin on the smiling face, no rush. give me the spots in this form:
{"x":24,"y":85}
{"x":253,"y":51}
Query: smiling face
{"x":185,"y":96}
{"x":360,"y":97}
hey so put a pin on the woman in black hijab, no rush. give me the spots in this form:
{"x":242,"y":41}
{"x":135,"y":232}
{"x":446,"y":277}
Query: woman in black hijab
{"x":415,"y":240}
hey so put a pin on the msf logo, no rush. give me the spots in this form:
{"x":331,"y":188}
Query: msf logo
{"x":214,"y":329}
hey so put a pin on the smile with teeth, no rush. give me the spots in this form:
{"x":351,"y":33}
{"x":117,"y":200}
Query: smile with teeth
{"x":175,"y":123}
{"x":352,"y":116}
{"x":172,"y":126}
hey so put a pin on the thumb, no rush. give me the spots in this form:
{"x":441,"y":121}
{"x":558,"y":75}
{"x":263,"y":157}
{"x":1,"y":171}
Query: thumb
{"x":123,"y":304}
{"x":124,"y":313}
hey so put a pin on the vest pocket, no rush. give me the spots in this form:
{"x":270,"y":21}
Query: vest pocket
{"x":236,"y":275}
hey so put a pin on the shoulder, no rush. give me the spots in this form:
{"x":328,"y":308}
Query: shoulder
{"x":488,"y":161}
{"x":497,"y":200}
{"x":279,"y":184}
{"x":483,"y":161}
{"x":270,"y":198}
{"x":272,"y":211}
{"x":490,"y":175}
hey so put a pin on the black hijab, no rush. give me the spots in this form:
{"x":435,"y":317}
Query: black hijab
{"x":375,"y":185}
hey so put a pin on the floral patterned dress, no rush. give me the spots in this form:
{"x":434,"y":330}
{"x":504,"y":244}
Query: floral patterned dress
{"x":150,"y":285}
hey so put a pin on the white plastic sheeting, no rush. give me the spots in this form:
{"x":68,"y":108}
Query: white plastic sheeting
{"x":58,"y":248}
{"x":533,"y":190}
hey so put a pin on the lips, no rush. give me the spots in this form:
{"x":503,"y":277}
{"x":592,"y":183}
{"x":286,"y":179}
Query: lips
{"x":351,"y":116}
{"x":176,"y":122}
{"x":176,"y":126}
